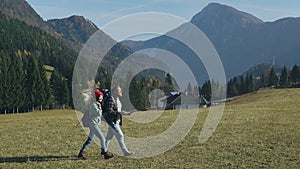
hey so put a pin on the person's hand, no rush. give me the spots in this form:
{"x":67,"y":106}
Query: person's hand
{"x":98,"y":104}
{"x":124,"y":113}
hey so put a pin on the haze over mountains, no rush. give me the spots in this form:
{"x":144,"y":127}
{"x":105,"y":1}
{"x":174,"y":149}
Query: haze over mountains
{"x":241,"y":39}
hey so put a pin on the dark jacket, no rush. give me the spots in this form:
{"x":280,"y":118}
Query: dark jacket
{"x":110,"y":110}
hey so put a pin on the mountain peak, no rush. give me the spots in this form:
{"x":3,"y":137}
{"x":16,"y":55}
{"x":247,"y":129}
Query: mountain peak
{"x":21,"y":10}
{"x":76,"y":19}
{"x":216,"y":11}
{"x":76,"y":29}
{"x":84,"y":20}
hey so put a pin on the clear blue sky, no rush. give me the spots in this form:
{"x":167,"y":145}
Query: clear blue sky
{"x":102,"y":12}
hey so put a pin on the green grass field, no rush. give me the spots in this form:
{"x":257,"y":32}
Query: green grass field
{"x":257,"y":130}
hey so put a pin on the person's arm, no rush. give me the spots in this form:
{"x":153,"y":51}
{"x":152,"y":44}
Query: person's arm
{"x":95,"y":110}
{"x":125,"y":113}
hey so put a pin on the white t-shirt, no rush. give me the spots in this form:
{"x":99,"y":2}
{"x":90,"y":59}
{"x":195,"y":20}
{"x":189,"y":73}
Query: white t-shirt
{"x":119,"y":105}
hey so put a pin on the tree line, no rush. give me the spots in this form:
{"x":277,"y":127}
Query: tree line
{"x":140,"y":89}
{"x":26,"y":85}
{"x":287,"y":78}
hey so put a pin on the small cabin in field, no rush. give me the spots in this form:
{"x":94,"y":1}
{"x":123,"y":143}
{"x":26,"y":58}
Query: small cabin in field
{"x":181,"y":100}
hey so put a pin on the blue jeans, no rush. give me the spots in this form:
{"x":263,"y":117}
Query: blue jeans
{"x":115,"y":130}
{"x":95,"y":130}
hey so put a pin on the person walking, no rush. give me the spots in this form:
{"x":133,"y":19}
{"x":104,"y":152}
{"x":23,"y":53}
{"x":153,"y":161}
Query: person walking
{"x":95,"y":113}
{"x":113,"y":116}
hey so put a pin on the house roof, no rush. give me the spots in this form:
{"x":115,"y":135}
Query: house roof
{"x":186,"y":99}
{"x":180,"y":98}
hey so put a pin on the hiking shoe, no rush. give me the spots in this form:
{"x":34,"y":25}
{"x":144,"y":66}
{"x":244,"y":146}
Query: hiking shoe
{"x":129,"y":153}
{"x":82,"y":155}
{"x":107,"y":155}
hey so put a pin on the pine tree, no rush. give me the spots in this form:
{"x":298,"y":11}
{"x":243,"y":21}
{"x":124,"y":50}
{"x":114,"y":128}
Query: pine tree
{"x":249,"y":83}
{"x":32,"y":83}
{"x":168,"y":85}
{"x":55,"y":86}
{"x":283,"y":82}
{"x":243,"y":86}
{"x":134,"y":95}
{"x":295,"y":75}
{"x":206,"y":90}
{"x":13,"y":91}
{"x":263,"y":80}
{"x":273,"y":79}
{"x":18,"y":87}
{"x":65,"y":94}
{"x":1,"y":91}
{"x":47,"y":100}
{"x":1,"y":82}
{"x":232,"y":88}
{"x":7,"y":93}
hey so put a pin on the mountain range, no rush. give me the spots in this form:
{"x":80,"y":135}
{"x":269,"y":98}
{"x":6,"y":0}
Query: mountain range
{"x":241,"y":39}
{"x":74,"y":30}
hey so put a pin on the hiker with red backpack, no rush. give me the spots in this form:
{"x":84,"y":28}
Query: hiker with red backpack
{"x":95,"y":113}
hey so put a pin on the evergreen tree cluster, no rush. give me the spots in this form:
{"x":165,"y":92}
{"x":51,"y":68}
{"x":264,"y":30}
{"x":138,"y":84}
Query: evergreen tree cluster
{"x":24,"y":52}
{"x":269,"y":79}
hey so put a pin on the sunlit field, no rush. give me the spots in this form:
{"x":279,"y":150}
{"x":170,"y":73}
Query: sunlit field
{"x":257,"y":130}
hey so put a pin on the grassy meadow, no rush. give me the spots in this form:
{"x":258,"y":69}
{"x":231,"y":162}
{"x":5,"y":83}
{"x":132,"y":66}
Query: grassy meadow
{"x":257,"y":130}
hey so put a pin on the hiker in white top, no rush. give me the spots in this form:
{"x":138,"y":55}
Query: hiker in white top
{"x":115,"y":121}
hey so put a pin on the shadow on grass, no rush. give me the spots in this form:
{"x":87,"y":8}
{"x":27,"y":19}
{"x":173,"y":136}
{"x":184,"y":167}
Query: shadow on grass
{"x":35,"y":159}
